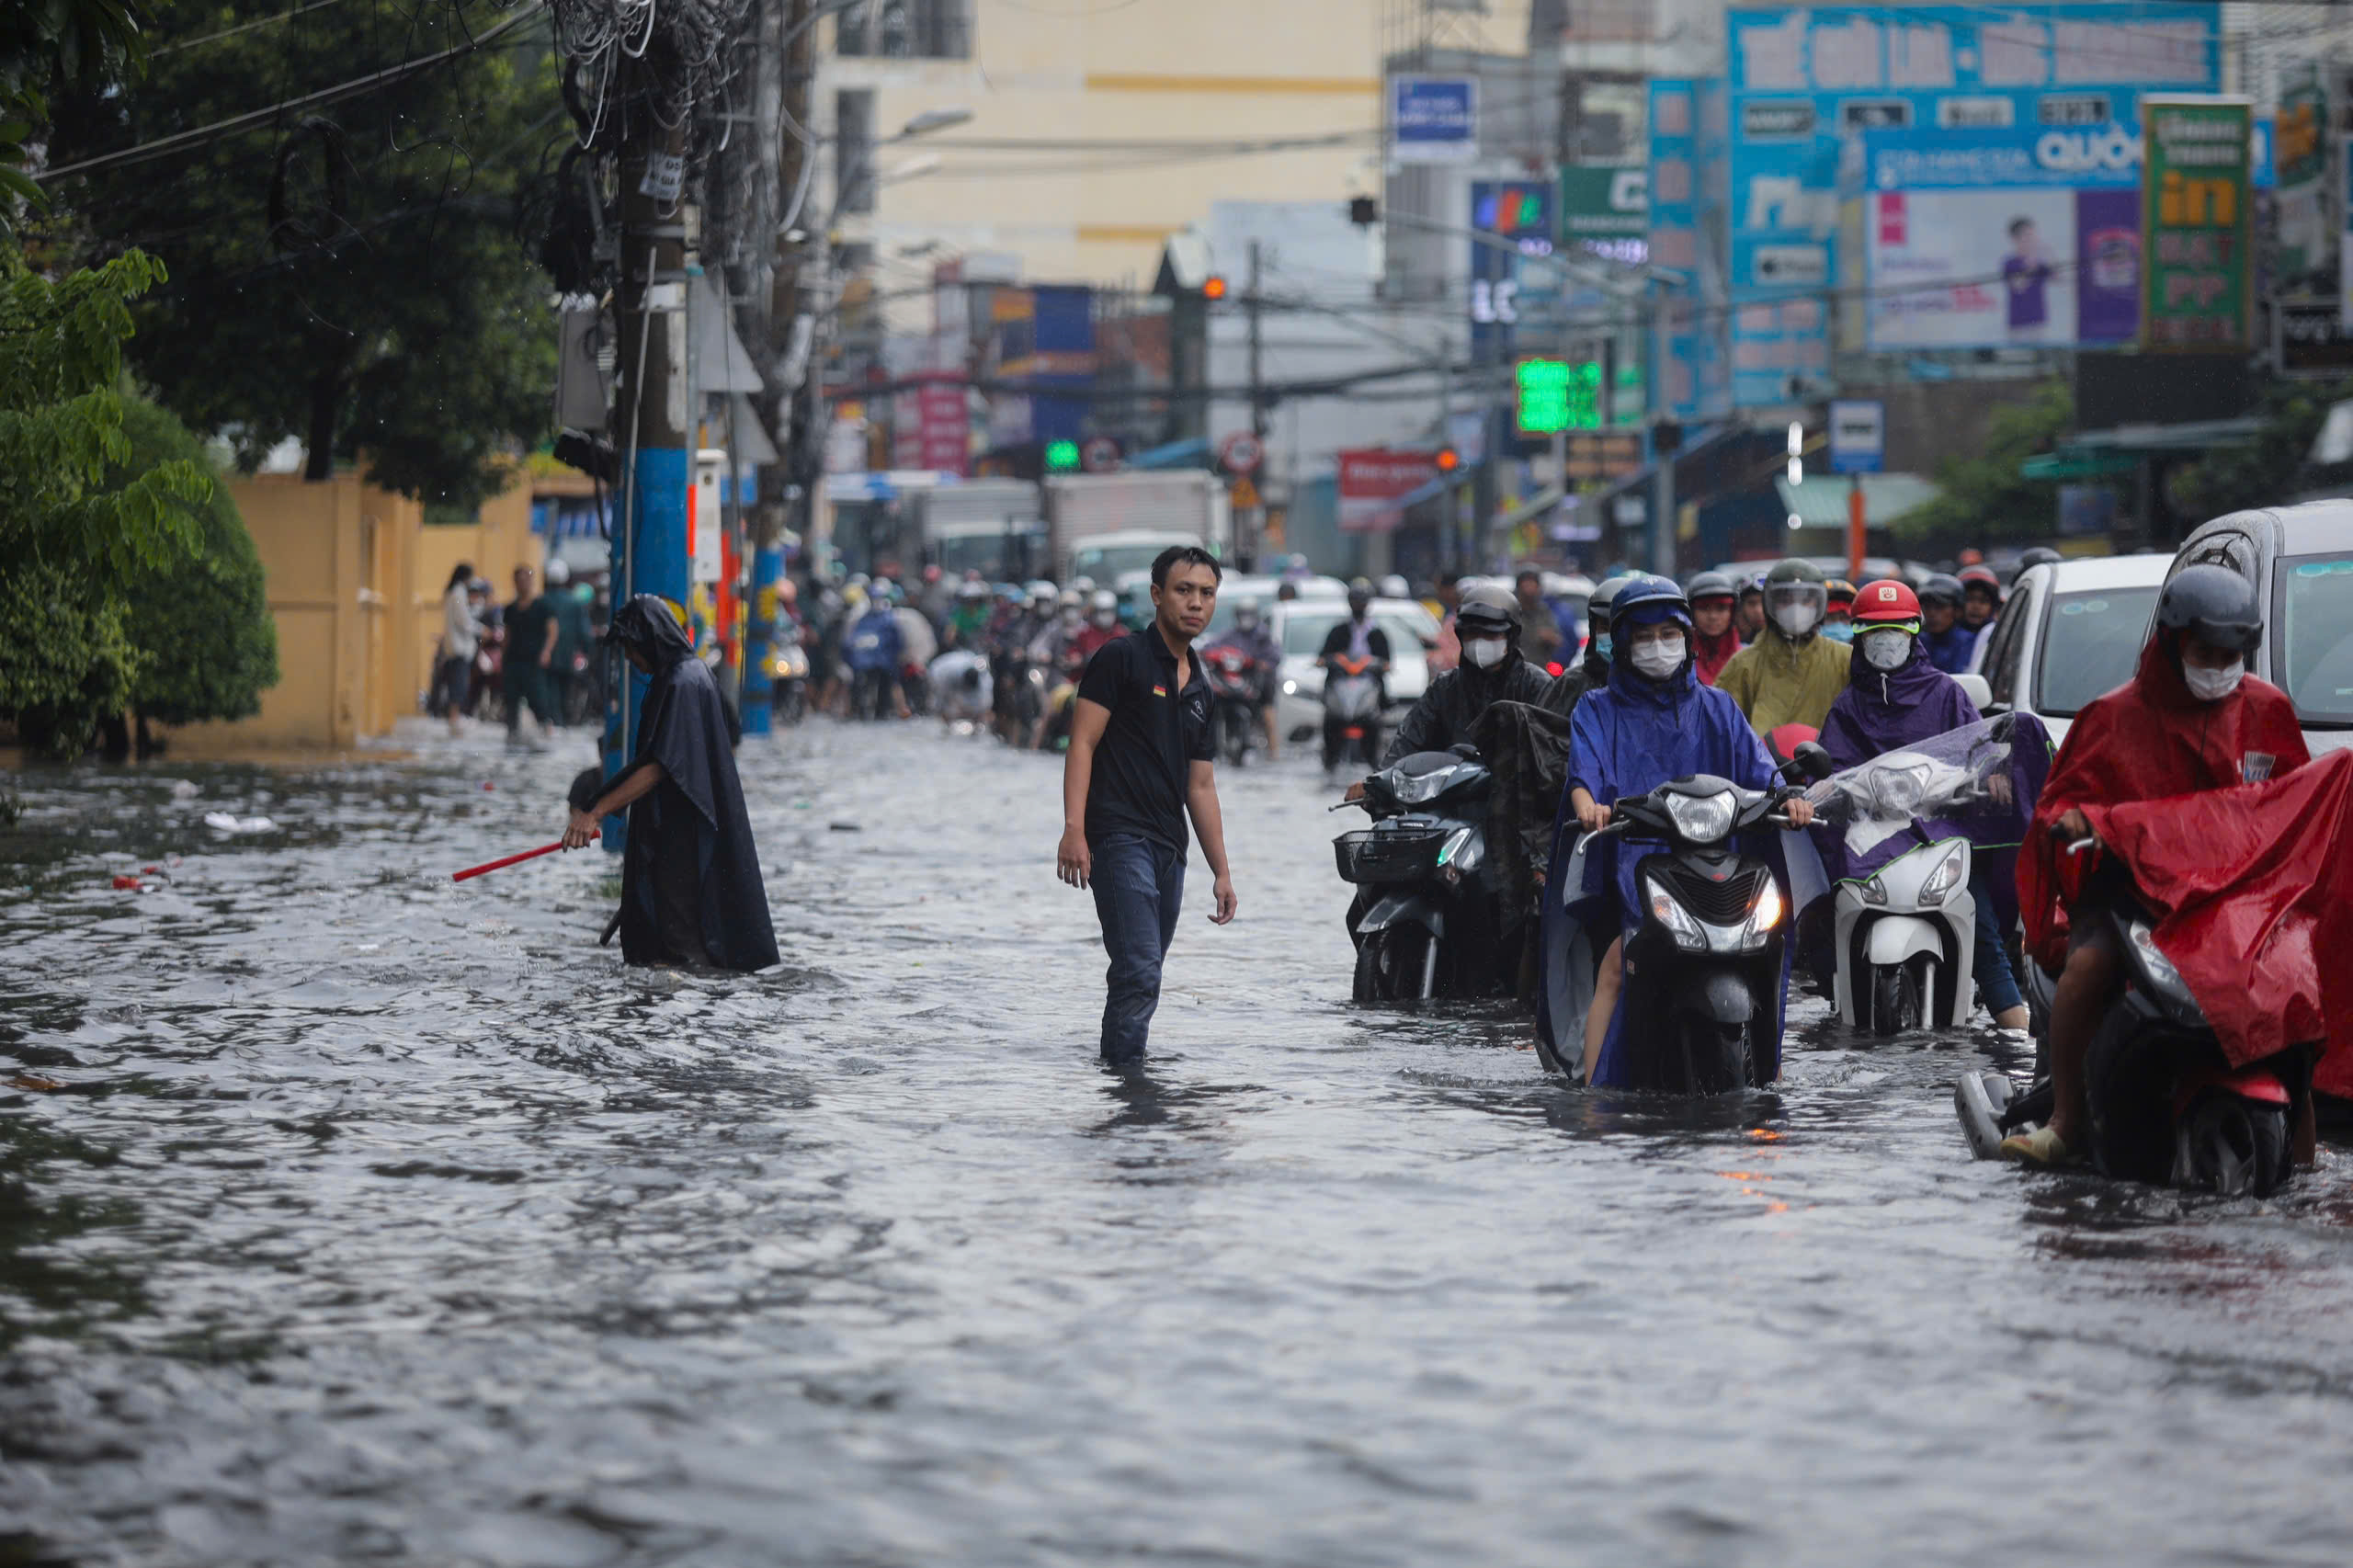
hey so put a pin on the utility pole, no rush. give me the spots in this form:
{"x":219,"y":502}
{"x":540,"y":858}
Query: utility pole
{"x":1253,"y":305}
{"x":652,"y":419}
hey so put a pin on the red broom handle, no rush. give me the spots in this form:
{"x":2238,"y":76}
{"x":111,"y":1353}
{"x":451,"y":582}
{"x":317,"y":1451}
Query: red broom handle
{"x":511,"y":859}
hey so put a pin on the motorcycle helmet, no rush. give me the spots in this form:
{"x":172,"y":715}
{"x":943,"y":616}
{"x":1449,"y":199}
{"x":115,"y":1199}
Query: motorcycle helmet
{"x":1647,"y":600}
{"x":1360,"y":596}
{"x":1942,"y":589}
{"x":2038,"y":555}
{"x":558,"y":572}
{"x":1486,"y":614}
{"x":1984,"y":578}
{"x":1842,"y":593}
{"x":1083,"y":585}
{"x":1888,"y":603}
{"x":1104,"y":606}
{"x":1069,"y":600}
{"x":2213,"y":604}
{"x":1797,"y":598}
{"x":1245,"y":614}
{"x":1708,"y":586}
{"x":1394,"y":587}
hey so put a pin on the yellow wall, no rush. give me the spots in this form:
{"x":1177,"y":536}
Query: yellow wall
{"x":497,"y":543}
{"x":340,"y":558}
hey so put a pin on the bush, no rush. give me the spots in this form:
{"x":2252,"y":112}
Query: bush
{"x":200,"y":620}
{"x":70,"y":663}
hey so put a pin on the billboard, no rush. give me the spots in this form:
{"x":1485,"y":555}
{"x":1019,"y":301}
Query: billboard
{"x":2197,"y":226}
{"x":1374,"y":483}
{"x":1605,"y":209}
{"x":1433,"y":120}
{"x":1519,"y":211}
{"x":1808,"y":83}
{"x":1686,"y":235}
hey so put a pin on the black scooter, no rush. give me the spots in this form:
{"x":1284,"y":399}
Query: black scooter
{"x":2166,"y":1106}
{"x":1427,"y":914}
{"x":1702,"y":991}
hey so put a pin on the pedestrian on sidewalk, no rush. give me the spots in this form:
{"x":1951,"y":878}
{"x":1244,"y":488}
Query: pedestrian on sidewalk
{"x":1139,"y":763}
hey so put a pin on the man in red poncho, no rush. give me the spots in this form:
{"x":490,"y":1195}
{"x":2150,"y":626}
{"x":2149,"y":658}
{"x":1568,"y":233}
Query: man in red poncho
{"x":2190,"y":720}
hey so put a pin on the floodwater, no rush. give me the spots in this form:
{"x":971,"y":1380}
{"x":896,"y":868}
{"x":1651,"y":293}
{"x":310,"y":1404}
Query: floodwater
{"x":348,"y":1215}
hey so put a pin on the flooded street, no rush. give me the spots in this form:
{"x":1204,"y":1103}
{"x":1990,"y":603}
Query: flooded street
{"x":350,"y":1215}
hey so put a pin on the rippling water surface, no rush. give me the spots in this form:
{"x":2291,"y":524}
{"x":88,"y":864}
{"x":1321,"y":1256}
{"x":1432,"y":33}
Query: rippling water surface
{"x":349,"y":1215}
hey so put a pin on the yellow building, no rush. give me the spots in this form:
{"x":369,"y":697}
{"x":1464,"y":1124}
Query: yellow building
{"x":1095,"y":130}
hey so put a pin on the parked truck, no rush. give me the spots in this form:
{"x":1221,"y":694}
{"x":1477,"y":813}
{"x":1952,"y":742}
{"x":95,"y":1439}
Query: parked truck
{"x":1105,"y":526}
{"x":995,"y":527}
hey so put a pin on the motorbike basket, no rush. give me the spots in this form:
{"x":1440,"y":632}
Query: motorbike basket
{"x":1389,"y":854}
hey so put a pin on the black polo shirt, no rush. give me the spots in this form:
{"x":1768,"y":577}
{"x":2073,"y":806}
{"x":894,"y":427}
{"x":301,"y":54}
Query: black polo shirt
{"x":1156,"y":734}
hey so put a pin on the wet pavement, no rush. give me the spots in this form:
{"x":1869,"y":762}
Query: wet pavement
{"x":348,"y":1215}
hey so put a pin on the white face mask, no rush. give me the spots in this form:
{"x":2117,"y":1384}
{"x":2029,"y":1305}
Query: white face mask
{"x":1886,"y":650}
{"x":1657,"y":661}
{"x":1484,"y":652}
{"x":2212,"y":685}
{"x":1797,"y":619}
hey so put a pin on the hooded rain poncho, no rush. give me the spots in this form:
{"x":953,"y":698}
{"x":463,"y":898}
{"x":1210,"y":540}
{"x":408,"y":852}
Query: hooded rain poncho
{"x":1779,"y":681}
{"x":690,"y":876}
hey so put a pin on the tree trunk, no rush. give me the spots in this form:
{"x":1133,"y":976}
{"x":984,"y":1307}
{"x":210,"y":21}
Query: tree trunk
{"x":326,"y":401}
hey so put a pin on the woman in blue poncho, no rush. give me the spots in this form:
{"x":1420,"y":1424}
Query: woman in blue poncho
{"x":1652,"y":723}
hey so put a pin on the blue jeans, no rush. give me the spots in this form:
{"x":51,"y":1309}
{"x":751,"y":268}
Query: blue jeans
{"x":1139,"y":887}
{"x":1996,"y":986}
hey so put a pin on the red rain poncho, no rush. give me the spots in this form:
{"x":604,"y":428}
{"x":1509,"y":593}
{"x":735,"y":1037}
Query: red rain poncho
{"x":2250,"y":879}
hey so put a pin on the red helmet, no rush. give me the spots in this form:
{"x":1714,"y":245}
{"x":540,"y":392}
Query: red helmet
{"x":1982,"y":576}
{"x":1886,"y":602}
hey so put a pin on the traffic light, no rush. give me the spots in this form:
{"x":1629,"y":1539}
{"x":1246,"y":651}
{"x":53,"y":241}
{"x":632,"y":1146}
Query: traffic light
{"x":1061,"y":456}
{"x":1364,"y":212}
{"x":1213,"y":287}
{"x":1449,"y":460}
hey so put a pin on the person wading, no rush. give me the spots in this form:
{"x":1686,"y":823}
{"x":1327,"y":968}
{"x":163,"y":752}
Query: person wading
{"x":690,"y":878}
{"x":1139,"y":763}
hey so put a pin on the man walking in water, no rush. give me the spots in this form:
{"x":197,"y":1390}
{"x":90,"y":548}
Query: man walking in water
{"x":1139,"y":763}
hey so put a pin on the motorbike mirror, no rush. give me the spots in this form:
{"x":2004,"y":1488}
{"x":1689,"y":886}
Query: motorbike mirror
{"x":1811,"y":761}
{"x":1464,"y":750}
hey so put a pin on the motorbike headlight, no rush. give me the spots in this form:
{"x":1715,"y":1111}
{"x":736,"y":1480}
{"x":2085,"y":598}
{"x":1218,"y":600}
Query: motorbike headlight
{"x":1675,"y":918}
{"x":1874,"y":891}
{"x":2159,"y":968}
{"x":1758,"y":929}
{"x":1945,"y":877}
{"x":1291,"y":689}
{"x":1702,"y":819}
{"x":1428,"y":787}
{"x":1900,"y":791}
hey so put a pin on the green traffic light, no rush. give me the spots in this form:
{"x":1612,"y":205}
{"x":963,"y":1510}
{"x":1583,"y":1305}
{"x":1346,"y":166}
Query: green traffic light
{"x":1061,"y":456}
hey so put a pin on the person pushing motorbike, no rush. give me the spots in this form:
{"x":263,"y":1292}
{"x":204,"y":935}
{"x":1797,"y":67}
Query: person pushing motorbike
{"x":2190,"y":718}
{"x":1791,"y":674}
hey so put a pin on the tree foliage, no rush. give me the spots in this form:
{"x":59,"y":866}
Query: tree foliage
{"x":207,"y":647}
{"x":349,"y":274}
{"x":2274,"y":466}
{"x":89,"y":45}
{"x":1984,"y":499}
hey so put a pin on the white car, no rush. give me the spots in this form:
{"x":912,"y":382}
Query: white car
{"x":1299,"y":627}
{"x":2070,"y":630}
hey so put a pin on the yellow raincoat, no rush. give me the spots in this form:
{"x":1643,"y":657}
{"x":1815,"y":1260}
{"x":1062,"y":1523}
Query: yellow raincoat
{"x":1778,"y":682}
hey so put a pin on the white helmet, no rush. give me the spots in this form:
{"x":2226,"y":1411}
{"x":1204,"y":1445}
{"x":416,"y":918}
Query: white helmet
{"x":1395,"y":588}
{"x":558,"y":573}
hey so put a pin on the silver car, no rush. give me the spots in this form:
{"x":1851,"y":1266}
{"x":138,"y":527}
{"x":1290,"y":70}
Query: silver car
{"x":2301,"y":561}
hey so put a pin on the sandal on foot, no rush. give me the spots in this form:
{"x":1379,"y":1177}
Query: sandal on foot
{"x":2039,"y":1147}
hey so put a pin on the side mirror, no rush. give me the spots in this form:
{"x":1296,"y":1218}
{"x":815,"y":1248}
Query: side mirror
{"x":1812,"y":762}
{"x":1979,"y":692}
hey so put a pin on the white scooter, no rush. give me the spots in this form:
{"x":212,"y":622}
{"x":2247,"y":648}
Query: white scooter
{"x":1905,"y":934}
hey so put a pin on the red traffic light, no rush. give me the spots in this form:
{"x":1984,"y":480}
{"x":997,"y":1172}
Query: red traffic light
{"x":1213,"y":287}
{"x":1449,"y":460}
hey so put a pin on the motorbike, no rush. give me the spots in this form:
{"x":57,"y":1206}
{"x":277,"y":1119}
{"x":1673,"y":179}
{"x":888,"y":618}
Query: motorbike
{"x":1351,"y":712}
{"x":1426,"y":912}
{"x":1702,"y":1000}
{"x":789,"y":676}
{"x":485,"y":692}
{"x":2166,"y":1106}
{"x":1235,"y":684}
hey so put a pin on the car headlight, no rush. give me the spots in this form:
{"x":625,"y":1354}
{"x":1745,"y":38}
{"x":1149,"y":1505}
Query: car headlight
{"x":1945,"y":877}
{"x":1702,"y":819}
{"x":1676,"y":919}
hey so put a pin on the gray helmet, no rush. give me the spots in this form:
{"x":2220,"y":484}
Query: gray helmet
{"x":1944,"y":587}
{"x":2214,"y":605}
{"x":1711,"y":586}
{"x":2038,"y":555}
{"x":1597,"y":609}
{"x":1489,"y":609}
{"x":1794,"y":570}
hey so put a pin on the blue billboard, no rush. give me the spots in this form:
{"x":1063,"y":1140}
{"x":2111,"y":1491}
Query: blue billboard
{"x":1518,"y":212}
{"x":1806,"y":84}
{"x":1687,"y":194}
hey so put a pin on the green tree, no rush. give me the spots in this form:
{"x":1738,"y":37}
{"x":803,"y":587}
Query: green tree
{"x":2272,"y":467}
{"x":1984,"y":499}
{"x":200,"y":620}
{"x":69,"y":535}
{"x":87,"y":45}
{"x":349,"y":273}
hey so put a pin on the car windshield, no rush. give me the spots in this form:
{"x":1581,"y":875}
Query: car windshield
{"x":1106,"y":562}
{"x":2091,"y":641}
{"x":1304,"y":631}
{"x":2314,"y":627}
{"x":995,"y":556}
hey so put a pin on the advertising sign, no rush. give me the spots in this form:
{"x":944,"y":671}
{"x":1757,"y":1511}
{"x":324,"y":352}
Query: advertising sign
{"x":1373,"y":480}
{"x":1858,"y":436}
{"x":2300,"y":162}
{"x":1687,"y":235}
{"x":1807,"y":82}
{"x":1433,"y":120}
{"x":2197,"y":221}
{"x":1522,"y":212}
{"x":1607,"y":210}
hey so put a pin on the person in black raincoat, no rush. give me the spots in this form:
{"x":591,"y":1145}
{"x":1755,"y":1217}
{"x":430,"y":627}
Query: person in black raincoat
{"x":690,"y":878}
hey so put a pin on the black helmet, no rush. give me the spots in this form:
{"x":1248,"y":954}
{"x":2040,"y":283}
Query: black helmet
{"x":1711,"y":586}
{"x":1944,"y":587}
{"x":2038,"y":555}
{"x":1486,"y":609}
{"x":2213,"y":604}
{"x":1360,"y":596}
